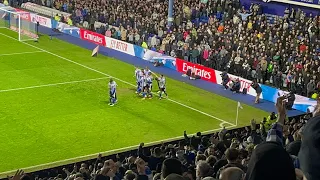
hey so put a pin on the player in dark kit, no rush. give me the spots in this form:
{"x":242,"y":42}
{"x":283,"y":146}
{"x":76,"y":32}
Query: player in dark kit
{"x":258,"y":89}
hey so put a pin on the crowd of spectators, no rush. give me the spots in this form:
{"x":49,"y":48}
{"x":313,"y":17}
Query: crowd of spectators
{"x":276,"y":148}
{"x":220,"y":34}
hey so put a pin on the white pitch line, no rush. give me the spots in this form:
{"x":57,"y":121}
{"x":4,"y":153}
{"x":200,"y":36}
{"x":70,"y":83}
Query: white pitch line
{"x":106,"y":153}
{"x":66,"y":59}
{"x":11,"y":54}
{"x":54,"y":84}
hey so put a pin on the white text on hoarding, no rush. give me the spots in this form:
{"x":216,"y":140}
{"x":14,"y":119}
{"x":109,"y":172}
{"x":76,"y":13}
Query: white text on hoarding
{"x":201,"y":72}
{"x":92,"y":37}
{"x":122,"y":46}
{"x":39,"y":19}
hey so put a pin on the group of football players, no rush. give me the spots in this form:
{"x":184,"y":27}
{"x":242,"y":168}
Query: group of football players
{"x":144,"y":79}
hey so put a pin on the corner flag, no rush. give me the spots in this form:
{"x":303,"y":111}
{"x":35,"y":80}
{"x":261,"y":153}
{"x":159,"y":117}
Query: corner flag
{"x":95,"y":52}
{"x":4,"y":14}
{"x":238,"y":106}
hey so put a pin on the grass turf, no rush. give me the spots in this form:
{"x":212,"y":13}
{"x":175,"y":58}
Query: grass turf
{"x":45,"y":124}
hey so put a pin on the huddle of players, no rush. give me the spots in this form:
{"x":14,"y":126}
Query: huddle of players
{"x":144,"y":81}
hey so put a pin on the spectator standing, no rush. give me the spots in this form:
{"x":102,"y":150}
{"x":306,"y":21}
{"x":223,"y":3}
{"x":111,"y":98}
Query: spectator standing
{"x":186,"y":52}
{"x":204,"y":170}
{"x":232,"y":173}
{"x":155,"y":159}
{"x":131,"y":37}
{"x":137,"y":38}
{"x":195,"y":55}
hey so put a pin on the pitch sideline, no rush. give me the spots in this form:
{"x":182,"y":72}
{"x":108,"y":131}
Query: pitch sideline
{"x":19,"y":53}
{"x":53,"y":84}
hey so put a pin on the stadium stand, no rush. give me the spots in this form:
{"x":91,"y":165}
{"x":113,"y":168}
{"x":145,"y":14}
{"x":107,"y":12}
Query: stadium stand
{"x":281,"y":51}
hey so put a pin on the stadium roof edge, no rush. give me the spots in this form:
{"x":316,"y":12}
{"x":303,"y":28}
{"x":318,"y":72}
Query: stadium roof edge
{"x":297,"y":3}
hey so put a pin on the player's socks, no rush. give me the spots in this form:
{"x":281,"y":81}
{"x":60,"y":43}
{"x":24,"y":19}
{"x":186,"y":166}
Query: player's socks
{"x":138,"y":90}
{"x":111,"y":102}
{"x":144,"y":94}
{"x":160,"y":94}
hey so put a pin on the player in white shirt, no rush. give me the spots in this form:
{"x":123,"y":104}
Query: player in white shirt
{"x":162,"y":86}
{"x":112,"y":92}
{"x":147,"y":89}
{"x":149,"y":80}
{"x":139,"y":75}
{"x":147,"y":71}
{"x":141,"y":83}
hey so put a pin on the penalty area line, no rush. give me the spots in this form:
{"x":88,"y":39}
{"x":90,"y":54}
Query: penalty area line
{"x":19,"y":53}
{"x":84,"y":66}
{"x":105,"y":153}
{"x":54,"y":84}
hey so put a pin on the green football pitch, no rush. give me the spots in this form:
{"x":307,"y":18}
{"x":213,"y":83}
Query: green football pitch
{"x":54,"y":106}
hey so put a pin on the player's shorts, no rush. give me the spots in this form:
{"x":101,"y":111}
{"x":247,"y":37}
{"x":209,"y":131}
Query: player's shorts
{"x":163,"y":89}
{"x":112,"y":95}
{"x":146,"y":87}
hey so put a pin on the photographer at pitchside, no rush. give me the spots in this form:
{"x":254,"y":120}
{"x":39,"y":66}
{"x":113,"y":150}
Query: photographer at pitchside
{"x":236,"y":85}
{"x":225,"y":79}
{"x":290,"y":100}
{"x":191,"y":73}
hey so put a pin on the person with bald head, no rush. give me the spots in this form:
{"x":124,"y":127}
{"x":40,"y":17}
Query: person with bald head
{"x":110,"y":164}
{"x":106,"y":173}
{"x":231,"y":173}
{"x":204,"y":170}
{"x":113,"y":166}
